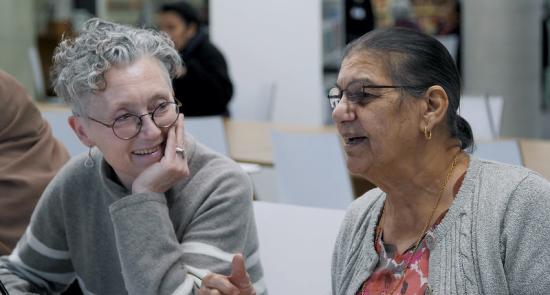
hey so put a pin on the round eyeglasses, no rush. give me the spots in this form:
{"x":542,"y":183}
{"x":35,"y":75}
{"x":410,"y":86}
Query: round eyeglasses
{"x":128,"y":126}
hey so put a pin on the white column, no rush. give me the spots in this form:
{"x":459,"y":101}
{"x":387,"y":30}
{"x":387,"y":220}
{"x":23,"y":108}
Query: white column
{"x":274,"y":52}
{"x":17,"y":34}
{"x":502,"y":56}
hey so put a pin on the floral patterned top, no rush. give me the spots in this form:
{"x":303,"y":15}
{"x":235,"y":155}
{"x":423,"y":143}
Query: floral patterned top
{"x":391,"y":264}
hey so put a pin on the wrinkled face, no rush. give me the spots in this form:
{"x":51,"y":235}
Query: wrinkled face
{"x":137,"y":88}
{"x":179,"y":31}
{"x":380,"y":129}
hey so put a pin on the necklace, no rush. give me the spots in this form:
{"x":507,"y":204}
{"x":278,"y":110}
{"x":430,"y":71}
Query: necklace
{"x":422,"y":234}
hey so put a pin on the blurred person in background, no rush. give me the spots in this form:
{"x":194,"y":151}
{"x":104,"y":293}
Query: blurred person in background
{"x":203,"y":85}
{"x":29,"y":158}
{"x":148,"y":210}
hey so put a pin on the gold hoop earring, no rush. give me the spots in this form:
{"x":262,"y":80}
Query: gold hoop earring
{"x":427,"y":133}
{"x":89,"y":163}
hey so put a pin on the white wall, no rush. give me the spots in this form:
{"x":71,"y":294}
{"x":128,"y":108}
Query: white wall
{"x":502,"y":56}
{"x":17,"y":34}
{"x":273,"y":48}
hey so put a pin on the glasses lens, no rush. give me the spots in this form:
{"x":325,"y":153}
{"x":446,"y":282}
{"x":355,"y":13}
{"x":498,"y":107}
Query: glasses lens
{"x":126,"y":126}
{"x":334,"y":95}
{"x":333,"y":102}
{"x":166,"y":114}
{"x":334,"y":92}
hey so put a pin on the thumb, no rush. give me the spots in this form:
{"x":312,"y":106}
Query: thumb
{"x":239,"y":277}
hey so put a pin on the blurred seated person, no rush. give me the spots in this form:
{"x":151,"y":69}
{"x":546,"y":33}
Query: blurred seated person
{"x":203,"y":86}
{"x":29,"y":158}
{"x":148,"y":210}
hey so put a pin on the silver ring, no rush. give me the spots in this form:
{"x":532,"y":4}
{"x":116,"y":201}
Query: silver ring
{"x":181,"y":151}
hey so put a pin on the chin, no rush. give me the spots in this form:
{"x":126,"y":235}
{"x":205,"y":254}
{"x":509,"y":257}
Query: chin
{"x":357,"y":167}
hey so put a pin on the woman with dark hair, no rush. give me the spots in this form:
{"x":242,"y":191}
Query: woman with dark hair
{"x":440,"y":220}
{"x":203,"y":85}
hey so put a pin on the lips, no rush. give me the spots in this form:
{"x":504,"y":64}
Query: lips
{"x":147,"y":151}
{"x":355,"y":140}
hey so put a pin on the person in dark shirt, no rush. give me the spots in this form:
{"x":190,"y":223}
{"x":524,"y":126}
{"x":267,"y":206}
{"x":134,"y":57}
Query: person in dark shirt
{"x":204,"y":86}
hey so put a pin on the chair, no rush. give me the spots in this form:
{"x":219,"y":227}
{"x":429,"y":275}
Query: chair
{"x":209,"y":131}
{"x":484,"y":115}
{"x":505,"y":151}
{"x":451,"y":43}
{"x":310,"y":170}
{"x":296,"y":245}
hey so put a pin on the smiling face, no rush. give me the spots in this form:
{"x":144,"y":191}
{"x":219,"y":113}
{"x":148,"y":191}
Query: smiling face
{"x":137,"y":88}
{"x":381,"y":131}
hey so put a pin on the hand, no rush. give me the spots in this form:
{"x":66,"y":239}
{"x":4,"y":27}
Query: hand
{"x":171,"y":168}
{"x":238,"y":283}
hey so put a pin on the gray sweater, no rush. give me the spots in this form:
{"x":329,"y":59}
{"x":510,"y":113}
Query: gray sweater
{"x":493,"y":240}
{"x":87,"y":226}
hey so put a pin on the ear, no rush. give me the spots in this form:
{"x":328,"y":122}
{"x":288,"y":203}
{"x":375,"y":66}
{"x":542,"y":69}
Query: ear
{"x":81,"y":130}
{"x":437,"y":103}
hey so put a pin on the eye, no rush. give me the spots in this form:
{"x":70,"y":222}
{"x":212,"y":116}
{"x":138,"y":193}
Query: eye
{"x":163,"y":107}
{"x":361,"y":97}
{"x":123,"y":118}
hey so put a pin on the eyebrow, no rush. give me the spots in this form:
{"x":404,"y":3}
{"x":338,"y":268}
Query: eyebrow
{"x":153,"y":98}
{"x":364,"y":80}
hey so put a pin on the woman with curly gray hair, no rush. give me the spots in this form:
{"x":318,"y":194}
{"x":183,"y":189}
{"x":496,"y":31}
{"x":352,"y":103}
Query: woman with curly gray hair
{"x":148,"y":210}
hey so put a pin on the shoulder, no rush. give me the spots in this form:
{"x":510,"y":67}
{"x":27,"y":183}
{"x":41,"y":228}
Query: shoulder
{"x":364,"y":205}
{"x":213,"y":172}
{"x":507,"y":192}
{"x":500,"y":179}
{"x":492,"y":170}
{"x":361,"y":216}
{"x":74,"y":172}
{"x":206,"y":161}
{"x":207,"y":49}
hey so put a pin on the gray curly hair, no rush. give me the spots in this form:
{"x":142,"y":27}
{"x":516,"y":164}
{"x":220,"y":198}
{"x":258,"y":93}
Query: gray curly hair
{"x":79,"y":64}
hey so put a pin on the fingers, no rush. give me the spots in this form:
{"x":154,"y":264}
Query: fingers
{"x":239,"y":277}
{"x":170,"y":148}
{"x":180,"y":134}
{"x":207,"y":291}
{"x":220,"y":283}
{"x":174,"y":138}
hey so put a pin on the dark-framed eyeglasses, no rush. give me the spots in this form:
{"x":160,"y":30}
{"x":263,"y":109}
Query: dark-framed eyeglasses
{"x":129,"y":125}
{"x":358,"y":93}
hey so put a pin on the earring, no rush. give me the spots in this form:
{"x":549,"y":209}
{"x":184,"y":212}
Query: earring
{"x":89,"y":163}
{"x":427,"y":133}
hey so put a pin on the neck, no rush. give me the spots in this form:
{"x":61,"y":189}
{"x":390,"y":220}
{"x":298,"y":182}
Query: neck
{"x":416,"y":191}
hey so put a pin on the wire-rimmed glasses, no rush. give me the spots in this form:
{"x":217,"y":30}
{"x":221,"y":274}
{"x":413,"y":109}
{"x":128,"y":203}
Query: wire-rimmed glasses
{"x":129,"y":125}
{"x":357,"y":92}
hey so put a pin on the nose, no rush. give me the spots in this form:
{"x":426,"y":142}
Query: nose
{"x":149,"y":128}
{"x":343,"y":112}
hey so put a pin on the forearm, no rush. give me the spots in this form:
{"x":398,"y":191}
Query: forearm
{"x":150,"y":255}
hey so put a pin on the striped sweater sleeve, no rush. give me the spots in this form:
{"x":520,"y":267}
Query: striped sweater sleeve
{"x":156,"y":258}
{"x":41,"y":261}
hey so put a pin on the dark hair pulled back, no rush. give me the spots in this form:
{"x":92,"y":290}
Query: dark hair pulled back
{"x":414,"y":58}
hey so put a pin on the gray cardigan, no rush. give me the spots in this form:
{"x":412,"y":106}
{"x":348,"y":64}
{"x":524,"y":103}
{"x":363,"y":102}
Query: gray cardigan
{"x":88,"y":227}
{"x":493,"y":240}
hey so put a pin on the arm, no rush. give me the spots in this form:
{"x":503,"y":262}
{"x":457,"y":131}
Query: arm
{"x":152,"y":259}
{"x":41,"y":261}
{"x":525,"y":237}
